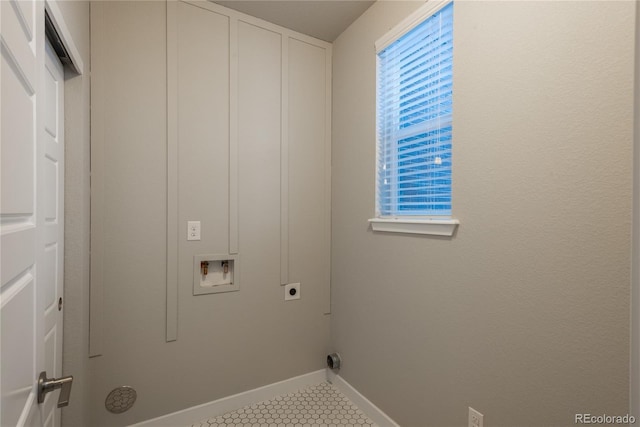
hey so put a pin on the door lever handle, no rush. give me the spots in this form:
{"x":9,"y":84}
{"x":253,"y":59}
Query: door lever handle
{"x":46,"y":385}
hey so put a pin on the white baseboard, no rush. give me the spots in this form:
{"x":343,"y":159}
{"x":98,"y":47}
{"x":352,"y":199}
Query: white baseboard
{"x":189,"y":416}
{"x":370,"y":410}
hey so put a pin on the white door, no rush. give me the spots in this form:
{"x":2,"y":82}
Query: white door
{"x":31,"y":215}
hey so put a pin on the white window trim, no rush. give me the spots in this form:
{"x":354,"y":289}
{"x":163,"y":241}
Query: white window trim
{"x":407,"y":24}
{"x":413,"y":225}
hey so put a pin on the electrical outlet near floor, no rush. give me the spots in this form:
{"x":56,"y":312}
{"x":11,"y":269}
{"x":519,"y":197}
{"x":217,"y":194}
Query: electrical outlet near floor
{"x":475,"y":418}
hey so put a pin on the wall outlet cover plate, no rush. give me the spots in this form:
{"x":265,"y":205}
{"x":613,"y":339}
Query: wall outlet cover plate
{"x":475,"y":418}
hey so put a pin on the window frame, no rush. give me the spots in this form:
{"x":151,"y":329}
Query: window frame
{"x":439,"y":225}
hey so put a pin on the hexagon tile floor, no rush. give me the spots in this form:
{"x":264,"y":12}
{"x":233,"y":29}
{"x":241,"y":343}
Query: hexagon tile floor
{"x":319,"y":405}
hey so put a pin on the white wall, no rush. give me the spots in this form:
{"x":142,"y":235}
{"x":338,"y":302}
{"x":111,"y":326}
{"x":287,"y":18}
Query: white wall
{"x":523,"y":314}
{"x":229,"y":342}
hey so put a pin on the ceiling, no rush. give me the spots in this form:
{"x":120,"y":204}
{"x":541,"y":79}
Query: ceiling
{"x":322,"y":19}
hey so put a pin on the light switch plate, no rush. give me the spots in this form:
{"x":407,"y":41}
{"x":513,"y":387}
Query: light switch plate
{"x":193,"y":230}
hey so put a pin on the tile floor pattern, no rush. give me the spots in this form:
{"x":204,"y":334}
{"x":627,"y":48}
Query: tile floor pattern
{"x":315,"y":406}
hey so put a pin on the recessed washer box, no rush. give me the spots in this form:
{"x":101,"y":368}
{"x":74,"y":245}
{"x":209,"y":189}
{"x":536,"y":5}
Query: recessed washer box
{"x":215,"y":273}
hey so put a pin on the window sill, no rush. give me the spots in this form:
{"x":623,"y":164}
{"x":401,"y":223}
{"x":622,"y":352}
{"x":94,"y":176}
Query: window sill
{"x":434,"y":227}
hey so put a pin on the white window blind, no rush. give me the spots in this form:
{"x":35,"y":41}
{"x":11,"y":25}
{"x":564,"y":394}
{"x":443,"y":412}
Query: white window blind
{"x":414,"y":120}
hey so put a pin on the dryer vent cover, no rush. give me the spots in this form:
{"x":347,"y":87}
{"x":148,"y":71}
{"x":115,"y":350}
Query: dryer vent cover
{"x":120,"y":399}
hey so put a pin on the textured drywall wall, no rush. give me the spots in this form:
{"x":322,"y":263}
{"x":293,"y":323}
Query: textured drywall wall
{"x":228,"y":342}
{"x":524,"y":313}
{"x":77,"y":217}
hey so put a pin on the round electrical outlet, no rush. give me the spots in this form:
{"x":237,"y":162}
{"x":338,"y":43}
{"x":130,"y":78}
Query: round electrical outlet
{"x":292,"y":291}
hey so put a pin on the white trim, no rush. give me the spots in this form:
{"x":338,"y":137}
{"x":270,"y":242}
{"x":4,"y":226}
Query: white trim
{"x":51,"y":6}
{"x":172,"y":172}
{"x":435,"y":227}
{"x":284,"y":162}
{"x":231,"y":403}
{"x":234,"y":233}
{"x":257,"y":22}
{"x":221,"y":406}
{"x":365,"y":405}
{"x":327,"y":176}
{"x":97,"y":130}
{"x":407,"y":24}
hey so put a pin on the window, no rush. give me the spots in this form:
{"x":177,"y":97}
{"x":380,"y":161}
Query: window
{"x":414,"y":118}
